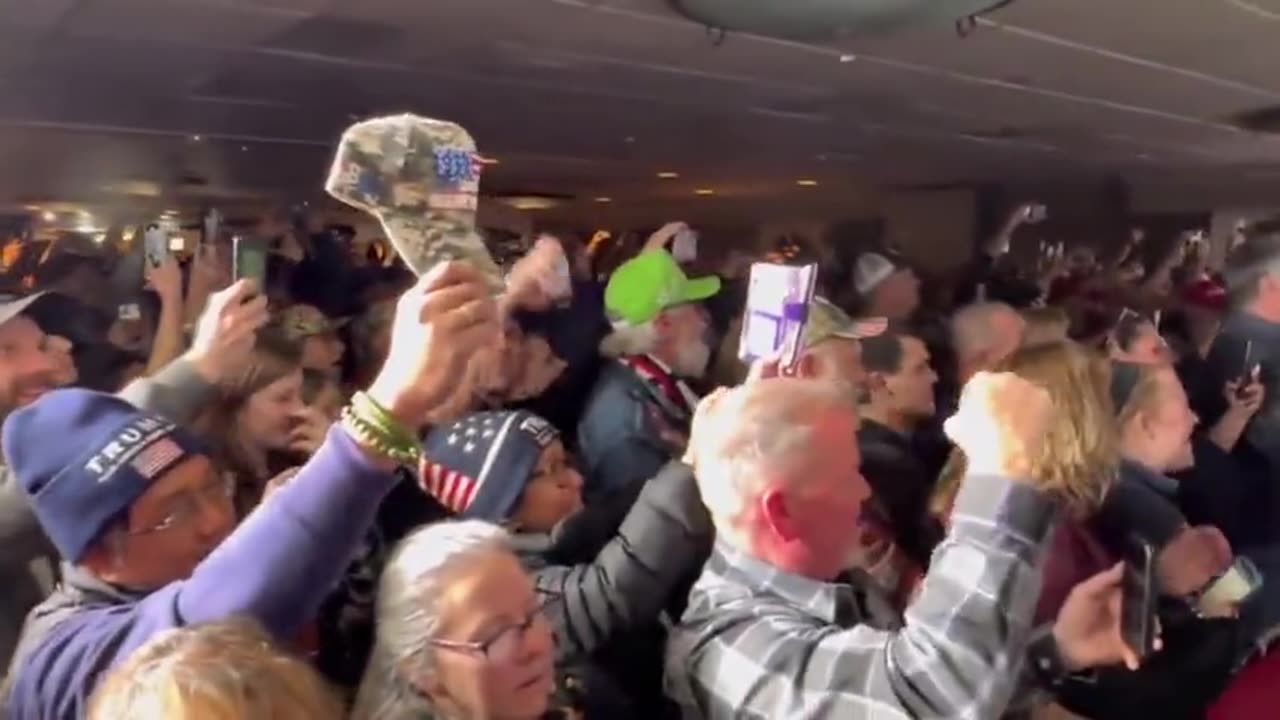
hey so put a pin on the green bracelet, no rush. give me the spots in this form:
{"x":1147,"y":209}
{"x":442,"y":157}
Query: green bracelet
{"x":372,"y":412}
{"x":371,"y":435}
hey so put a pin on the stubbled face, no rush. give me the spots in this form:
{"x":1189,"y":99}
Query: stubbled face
{"x":28,"y":369}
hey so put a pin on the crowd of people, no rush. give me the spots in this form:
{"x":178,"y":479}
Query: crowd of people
{"x":346,"y":492}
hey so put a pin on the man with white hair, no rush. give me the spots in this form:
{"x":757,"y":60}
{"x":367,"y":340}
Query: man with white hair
{"x":637,"y":415}
{"x":983,"y":335}
{"x":769,"y":633}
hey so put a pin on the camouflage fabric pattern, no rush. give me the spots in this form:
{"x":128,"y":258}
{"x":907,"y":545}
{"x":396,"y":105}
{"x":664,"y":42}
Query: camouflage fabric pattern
{"x":421,"y":178}
{"x":827,"y":321}
{"x":298,"y":322}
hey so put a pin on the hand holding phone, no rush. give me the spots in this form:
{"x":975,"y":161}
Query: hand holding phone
{"x":684,"y":247}
{"x":1138,"y":600}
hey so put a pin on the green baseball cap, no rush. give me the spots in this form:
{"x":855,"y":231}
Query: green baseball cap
{"x":651,"y":282}
{"x":827,"y":321}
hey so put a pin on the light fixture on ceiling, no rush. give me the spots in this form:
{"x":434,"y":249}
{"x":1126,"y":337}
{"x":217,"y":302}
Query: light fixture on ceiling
{"x":704,"y":192}
{"x":848,"y":58}
{"x":487,"y":160}
{"x":628,"y":140}
{"x":244,"y":148}
{"x":667,"y":175}
{"x":48,"y":216}
{"x":604,"y":200}
{"x":805,"y":182}
{"x":196,"y":138}
{"x":530,"y":202}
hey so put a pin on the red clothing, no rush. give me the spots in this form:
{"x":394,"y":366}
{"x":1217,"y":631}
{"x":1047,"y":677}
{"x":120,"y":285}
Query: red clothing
{"x":1074,"y":555}
{"x":1253,"y":694}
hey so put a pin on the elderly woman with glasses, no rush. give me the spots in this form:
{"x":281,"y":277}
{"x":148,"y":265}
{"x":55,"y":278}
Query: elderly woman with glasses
{"x":461,"y":632}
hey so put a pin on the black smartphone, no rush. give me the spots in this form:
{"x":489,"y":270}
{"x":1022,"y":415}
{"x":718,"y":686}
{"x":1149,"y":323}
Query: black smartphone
{"x":1246,"y":371}
{"x":250,"y":259}
{"x":1138,"y":603}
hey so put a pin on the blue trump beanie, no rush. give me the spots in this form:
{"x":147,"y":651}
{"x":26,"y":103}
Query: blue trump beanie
{"x":478,"y":467}
{"x":84,"y":457}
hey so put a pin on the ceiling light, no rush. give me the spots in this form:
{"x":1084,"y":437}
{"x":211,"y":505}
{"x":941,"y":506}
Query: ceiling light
{"x":668,"y":175}
{"x":244,"y":148}
{"x":807,"y":183}
{"x":628,"y":140}
{"x":848,"y":58}
{"x":530,"y":202}
{"x":704,"y":191}
{"x":603,"y":200}
{"x":48,"y":216}
{"x":196,"y":138}
{"x":487,"y":160}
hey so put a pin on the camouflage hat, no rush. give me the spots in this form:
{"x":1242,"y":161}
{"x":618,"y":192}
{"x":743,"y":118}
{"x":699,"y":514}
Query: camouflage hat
{"x":827,"y":321}
{"x":298,"y":322}
{"x":421,"y":178}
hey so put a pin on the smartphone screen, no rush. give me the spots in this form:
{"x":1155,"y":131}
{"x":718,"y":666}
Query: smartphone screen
{"x":778,"y":298}
{"x":1138,"y":611}
{"x":250,"y":259}
{"x":155,"y":245}
{"x":129,"y":311}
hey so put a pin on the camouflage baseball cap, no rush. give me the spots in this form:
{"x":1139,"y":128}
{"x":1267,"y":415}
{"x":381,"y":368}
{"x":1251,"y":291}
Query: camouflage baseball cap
{"x":303,"y":321}
{"x":421,"y":178}
{"x":827,"y":321}
{"x":651,"y":282}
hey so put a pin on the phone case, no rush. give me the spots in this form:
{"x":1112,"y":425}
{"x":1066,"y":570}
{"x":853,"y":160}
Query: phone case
{"x":155,"y":244}
{"x":1137,"y":613}
{"x":777,"y":310}
{"x":684,"y":248}
{"x":250,"y":259}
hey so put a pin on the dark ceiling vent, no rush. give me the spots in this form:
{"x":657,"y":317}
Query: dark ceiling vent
{"x":823,"y":19}
{"x":192,"y":180}
{"x":1259,"y":120}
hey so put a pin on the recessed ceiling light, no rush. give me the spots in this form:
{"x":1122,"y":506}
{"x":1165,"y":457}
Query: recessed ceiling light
{"x":196,"y":138}
{"x":48,"y":216}
{"x":628,"y":139}
{"x":668,"y":175}
{"x":704,"y":191}
{"x":488,"y":160}
{"x":807,"y":183}
{"x":848,"y":58}
{"x":244,"y":148}
{"x":603,"y":200}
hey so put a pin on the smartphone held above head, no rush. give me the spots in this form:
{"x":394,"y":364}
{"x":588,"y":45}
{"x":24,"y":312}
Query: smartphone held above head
{"x":778,"y":298}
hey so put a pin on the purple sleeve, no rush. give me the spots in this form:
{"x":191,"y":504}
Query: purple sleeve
{"x":291,"y":551}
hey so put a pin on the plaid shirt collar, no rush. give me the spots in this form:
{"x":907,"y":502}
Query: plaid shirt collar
{"x":822,"y":600}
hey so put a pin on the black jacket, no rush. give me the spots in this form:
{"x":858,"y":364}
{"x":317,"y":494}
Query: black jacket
{"x":902,"y":485}
{"x":613,"y":599}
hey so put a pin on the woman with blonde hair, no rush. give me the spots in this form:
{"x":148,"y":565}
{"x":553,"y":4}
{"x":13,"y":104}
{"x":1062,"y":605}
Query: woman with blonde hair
{"x":226,"y":670}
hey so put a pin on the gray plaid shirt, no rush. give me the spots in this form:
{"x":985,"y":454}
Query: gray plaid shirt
{"x":756,"y":642}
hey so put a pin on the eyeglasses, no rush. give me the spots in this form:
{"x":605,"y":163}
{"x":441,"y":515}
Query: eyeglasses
{"x":187,"y":505}
{"x":503,"y":646}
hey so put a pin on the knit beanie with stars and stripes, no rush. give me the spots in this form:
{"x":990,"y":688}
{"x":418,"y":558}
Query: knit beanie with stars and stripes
{"x":478,"y":467}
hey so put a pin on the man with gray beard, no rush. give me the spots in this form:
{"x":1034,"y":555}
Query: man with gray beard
{"x":637,"y":414}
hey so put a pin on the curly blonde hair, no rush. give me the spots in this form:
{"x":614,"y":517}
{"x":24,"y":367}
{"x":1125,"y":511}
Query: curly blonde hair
{"x":1080,"y":457}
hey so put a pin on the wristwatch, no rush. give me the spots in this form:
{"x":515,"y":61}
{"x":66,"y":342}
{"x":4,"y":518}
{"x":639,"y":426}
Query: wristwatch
{"x":1046,"y":660}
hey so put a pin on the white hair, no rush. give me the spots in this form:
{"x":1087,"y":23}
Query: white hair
{"x":972,"y":331}
{"x":627,"y":339}
{"x":409,"y":613}
{"x":757,"y":432}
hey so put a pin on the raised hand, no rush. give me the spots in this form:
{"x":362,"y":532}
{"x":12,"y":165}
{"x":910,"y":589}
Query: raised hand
{"x":227,"y":329}
{"x":165,"y":280}
{"x":445,"y":334}
{"x":1001,"y":424}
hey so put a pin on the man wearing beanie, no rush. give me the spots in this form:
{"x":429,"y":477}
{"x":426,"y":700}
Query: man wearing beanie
{"x":136,"y":509}
{"x":179,"y":392}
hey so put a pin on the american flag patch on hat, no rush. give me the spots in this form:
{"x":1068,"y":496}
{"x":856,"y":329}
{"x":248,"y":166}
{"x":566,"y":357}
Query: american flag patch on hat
{"x":156,"y":458}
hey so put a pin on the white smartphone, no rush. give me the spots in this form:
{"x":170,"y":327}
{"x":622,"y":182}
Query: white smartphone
{"x":155,"y":245}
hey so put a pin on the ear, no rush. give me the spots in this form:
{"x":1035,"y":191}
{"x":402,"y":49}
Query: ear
{"x":808,"y":367}
{"x":773,"y":508}
{"x":876,"y":381}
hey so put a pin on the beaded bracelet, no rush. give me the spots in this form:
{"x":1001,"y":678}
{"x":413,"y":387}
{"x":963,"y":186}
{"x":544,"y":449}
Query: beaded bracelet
{"x":371,"y":411}
{"x":375,"y":428}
